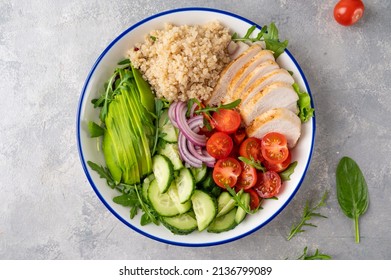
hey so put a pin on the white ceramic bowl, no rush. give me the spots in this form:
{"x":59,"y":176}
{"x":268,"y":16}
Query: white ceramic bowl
{"x":103,"y":68}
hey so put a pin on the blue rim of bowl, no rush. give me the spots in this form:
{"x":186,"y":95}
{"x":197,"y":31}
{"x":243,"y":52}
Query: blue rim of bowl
{"x":84,"y":165}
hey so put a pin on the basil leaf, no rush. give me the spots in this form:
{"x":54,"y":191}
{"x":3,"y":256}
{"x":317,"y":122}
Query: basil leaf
{"x":352,"y":191}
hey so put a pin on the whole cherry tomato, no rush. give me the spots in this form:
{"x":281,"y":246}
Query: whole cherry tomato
{"x":348,"y":12}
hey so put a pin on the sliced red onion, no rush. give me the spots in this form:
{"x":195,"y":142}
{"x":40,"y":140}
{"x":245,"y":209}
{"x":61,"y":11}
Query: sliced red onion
{"x":196,"y":154}
{"x":185,"y":153}
{"x":192,"y":109}
{"x":180,"y":115}
{"x":171,"y":114}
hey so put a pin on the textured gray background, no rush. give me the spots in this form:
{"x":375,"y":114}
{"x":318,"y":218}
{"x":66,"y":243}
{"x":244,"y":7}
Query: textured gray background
{"x":48,"y":209}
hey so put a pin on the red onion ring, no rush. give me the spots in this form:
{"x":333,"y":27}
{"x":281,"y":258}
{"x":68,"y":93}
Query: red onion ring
{"x":180,"y":115}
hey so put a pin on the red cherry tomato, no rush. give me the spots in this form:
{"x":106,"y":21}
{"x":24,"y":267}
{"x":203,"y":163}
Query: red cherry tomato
{"x":268,"y":184}
{"x":254,"y":199}
{"x":278,"y":167}
{"x":226,"y":172}
{"x":226,"y":120}
{"x":348,"y":12}
{"x":247,"y":178}
{"x":219,"y":145}
{"x":274,"y":148}
{"x":251,"y":149}
{"x":239,"y":136}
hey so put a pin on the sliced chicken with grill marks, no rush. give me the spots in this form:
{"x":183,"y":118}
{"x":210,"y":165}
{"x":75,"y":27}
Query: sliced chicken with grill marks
{"x":280,"y":120}
{"x":245,"y":70}
{"x":259,"y":71}
{"x":275,"y":95}
{"x":279,"y":75}
{"x":229,"y":72}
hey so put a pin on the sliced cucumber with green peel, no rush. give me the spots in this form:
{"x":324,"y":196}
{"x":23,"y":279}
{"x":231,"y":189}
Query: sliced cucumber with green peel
{"x":204,"y":207}
{"x":181,"y":224}
{"x":163,"y":171}
{"x":225,"y":203}
{"x":241,"y":214}
{"x":161,"y":202}
{"x":171,"y":151}
{"x":224,"y":223}
{"x":170,"y":134}
{"x":186,"y":185}
{"x":173,"y":193}
{"x":147,"y":181}
{"x":199,"y":173}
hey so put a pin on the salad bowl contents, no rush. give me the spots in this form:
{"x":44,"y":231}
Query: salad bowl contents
{"x":193,"y":131}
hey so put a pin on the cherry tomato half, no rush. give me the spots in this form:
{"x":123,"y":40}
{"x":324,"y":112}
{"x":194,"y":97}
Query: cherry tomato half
{"x":348,"y":12}
{"x":247,"y":178}
{"x":226,"y":172}
{"x":278,"y":167}
{"x":226,"y":120}
{"x":274,"y":148}
{"x":219,"y":145}
{"x":251,"y":148}
{"x":254,"y":199}
{"x":268,"y":184}
{"x":239,"y":136}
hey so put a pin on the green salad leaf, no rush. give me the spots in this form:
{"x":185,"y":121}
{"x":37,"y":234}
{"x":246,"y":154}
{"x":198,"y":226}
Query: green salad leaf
{"x":352,"y":191}
{"x":305,"y":110}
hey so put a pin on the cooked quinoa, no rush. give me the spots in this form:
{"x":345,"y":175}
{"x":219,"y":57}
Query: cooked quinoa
{"x":183,"y":62}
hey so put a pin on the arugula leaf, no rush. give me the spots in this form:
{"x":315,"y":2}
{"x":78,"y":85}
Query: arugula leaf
{"x":103,"y":172}
{"x":95,"y":130}
{"x":304,"y":103}
{"x":253,"y":163}
{"x":352,"y":191}
{"x":286,"y":174}
{"x":238,"y":200}
{"x":308,"y":213}
{"x":208,"y":109}
{"x":268,"y":34}
{"x":315,"y":256}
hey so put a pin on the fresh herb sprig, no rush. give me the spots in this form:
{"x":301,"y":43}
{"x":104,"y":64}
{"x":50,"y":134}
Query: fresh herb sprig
{"x":308,"y":213}
{"x":315,"y":256}
{"x":352,"y":191}
{"x":207,"y":109}
{"x":257,"y":165}
{"x":160,"y":106}
{"x":130,"y":196}
{"x":268,"y":34}
{"x":237,"y":197}
{"x":286,"y":174}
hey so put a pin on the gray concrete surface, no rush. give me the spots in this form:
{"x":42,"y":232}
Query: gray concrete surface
{"x":49,"y":211}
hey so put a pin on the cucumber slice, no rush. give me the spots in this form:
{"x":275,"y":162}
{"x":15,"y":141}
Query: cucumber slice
{"x":161,"y":202}
{"x":166,"y":127}
{"x":147,"y":181}
{"x":163,"y":171}
{"x":186,"y":185}
{"x":225,"y":203}
{"x":170,"y":150}
{"x":204,"y":207}
{"x":199,"y":173}
{"x":224,"y":223}
{"x":181,"y":224}
{"x":241,"y":214}
{"x":173,"y":193}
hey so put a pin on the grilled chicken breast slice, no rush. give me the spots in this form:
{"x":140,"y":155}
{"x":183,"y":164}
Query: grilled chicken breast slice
{"x":278,"y":75}
{"x":279,"y":120}
{"x":275,"y":95}
{"x":245,"y":70}
{"x":229,"y":72}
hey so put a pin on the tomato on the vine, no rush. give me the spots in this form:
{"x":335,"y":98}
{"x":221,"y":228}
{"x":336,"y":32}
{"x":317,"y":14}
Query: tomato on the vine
{"x":274,"y":148}
{"x":268,"y":184}
{"x":219,"y":145}
{"x":348,"y":12}
{"x":248,"y":178}
{"x":226,"y":120}
{"x":226,"y":172}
